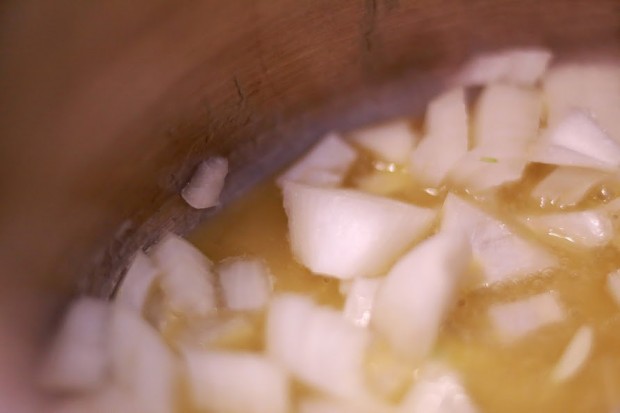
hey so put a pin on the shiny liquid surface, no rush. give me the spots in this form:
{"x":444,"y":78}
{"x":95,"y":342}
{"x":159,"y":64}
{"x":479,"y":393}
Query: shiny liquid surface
{"x":499,"y":377}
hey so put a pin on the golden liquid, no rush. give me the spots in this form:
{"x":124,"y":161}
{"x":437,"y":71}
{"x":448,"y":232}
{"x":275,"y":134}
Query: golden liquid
{"x":499,"y":377}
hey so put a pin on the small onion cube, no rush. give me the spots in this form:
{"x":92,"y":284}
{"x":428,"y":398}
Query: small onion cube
{"x":507,"y":115}
{"x":438,"y":390}
{"x":502,"y":254}
{"x":591,"y":87}
{"x":578,"y":141}
{"x":245,"y":283}
{"x":318,"y":346}
{"x":518,"y":66}
{"x":417,"y":293}
{"x":514,"y":320}
{"x":360,"y":300}
{"x":345,"y":233}
{"x":186,"y":276}
{"x":575,"y":355}
{"x":326,"y":164}
{"x":78,"y":356}
{"x":236,"y":382}
{"x":390,"y":142}
{"x":205,"y":186}
{"x":142,"y":365}
{"x":446,"y":140}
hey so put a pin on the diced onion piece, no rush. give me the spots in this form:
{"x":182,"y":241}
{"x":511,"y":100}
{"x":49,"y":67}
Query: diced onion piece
{"x":613,"y":285}
{"x":518,"y":66}
{"x":446,"y":139}
{"x":578,"y":141}
{"x":488,"y":167}
{"x":78,"y":355}
{"x":137,"y":282}
{"x":246,"y":283}
{"x":204,"y":188}
{"x":326,"y":164}
{"x":318,"y":346}
{"x":585,"y":228}
{"x":390,"y":142}
{"x":575,"y":355}
{"x":360,"y":300}
{"x":236,"y":382}
{"x":417,"y":293}
{"x":566,"y":186}
{"x":502,"y":254}
{"x":186,"y":276}
{"x":345,"y":233}
{"x":517,"y":319}
{"x":388,"y":376}
{"x":438,"y":390}
{"x":507,"y":116}
{"x":592,"y":87}
{"x":142,"y":364}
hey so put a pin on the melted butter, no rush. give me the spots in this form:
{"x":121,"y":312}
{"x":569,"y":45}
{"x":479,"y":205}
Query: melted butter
{"x":499,"y":377}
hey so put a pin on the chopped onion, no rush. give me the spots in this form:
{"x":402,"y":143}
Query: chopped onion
{"x":345,"y":233}
{"x":575,"y":355}
{"x":488,"y":167}
{"x":586,"y":228}
{"x":186,"y":276}
{"x":438,"y":390}
{"x":236,"y":382}
{"x":137,"y":282}
{"x":613,"y":285}
{"x":417,"y":293}
{"x":518,"y":66}
{"x":592,"y":87}
{"x":246,"y":283}
{"x":78,"y":355}
{"x":507,"y":116}
{"x":502,"y":254}
{"x":391,"y":142}
{"x":566,"y":186}
{"x":326,"y":164}
{"x":360,"y":300}
{"x":517,"y":319}
{"x":548,"y":153}
{"x":578,"y":141}
{"x":204,"y":188}
{"x":446,"y":139}
{"x":141,"y":363}
{"x":318,"y":346}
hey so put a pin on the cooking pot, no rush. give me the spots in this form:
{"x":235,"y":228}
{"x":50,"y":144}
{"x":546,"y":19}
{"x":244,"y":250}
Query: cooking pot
{"x":107,"y":107}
